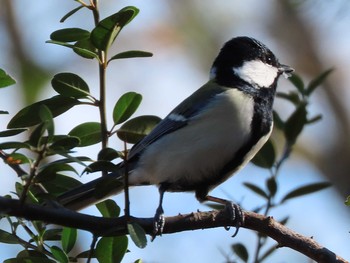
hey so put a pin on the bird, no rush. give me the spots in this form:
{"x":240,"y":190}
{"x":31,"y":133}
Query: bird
{"x":208,"y":137}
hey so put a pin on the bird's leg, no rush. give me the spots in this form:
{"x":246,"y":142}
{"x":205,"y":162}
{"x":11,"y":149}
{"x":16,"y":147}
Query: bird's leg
{"x":159,"y":219}
{"x":235,"y":211}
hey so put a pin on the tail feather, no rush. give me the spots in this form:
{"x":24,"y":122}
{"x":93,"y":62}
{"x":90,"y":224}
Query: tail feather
{"x":92,"y":192}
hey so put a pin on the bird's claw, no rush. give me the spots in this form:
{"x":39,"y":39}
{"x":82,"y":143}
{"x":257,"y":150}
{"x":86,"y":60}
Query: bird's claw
{"x":236,"y":214}
{"x":158,"y":223}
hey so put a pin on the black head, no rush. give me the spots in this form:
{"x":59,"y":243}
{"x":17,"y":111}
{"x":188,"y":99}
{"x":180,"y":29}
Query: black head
{"x":244,"y":59}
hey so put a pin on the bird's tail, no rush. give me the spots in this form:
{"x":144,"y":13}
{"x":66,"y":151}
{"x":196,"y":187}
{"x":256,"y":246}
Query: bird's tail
{"x":92,"y":192}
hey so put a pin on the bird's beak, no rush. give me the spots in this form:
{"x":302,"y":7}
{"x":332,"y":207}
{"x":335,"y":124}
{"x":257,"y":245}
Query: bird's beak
{"x":285,"y":70}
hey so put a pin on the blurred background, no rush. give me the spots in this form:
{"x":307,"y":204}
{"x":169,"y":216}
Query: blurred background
{"x":185,"y":36}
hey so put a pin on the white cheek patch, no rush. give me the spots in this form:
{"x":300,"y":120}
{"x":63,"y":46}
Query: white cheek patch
{"x":258,"y":73}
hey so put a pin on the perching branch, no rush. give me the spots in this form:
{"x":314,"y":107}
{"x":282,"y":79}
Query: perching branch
{"x":200,"y":220}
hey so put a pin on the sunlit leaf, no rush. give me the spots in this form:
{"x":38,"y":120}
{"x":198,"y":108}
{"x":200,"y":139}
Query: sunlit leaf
{"x":137,"y":234}
{"x":111,"y":249}
{"x":108,"y":208}
{"x":126,"y":106}
{"x":5,"y":79}
{"x":69,"y":237}
{"x":59,"y":254}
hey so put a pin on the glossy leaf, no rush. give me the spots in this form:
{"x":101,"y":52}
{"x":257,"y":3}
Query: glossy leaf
{"x":241,"y":251}
{"x":256,"y":189}
{"x":68,"y":239}
{"x":29,"y":116}
{"x":59,"y":254}
{"x":70,"y":85}
{"x":136,"y":129}
{"x":17,"y":158}
{"x":53,"y":234}
{"x":69,"y":35}
{"x":11,"y":132}
{"x":85,"y":49}
{"x":137,"y":234}
{"x":318,"y":81}
{"x":70,"y":13}
{"x":14,"y":145}
{"x":5,"y":79}
{"x":64,"y":144}
{"x":76,"y":49}
{"x":89,"y":133}
{"x":108,"y":29}
{"x":295,"y":124}
{"x":37,"y":134}
{"x":108,"y":154}
{"x":111,"y":249}
{"x":108,"y":208}
{"x":304,"y":190}
{"x":266,"y":157}
{"x":126,"y":106}
{"x":131,"y":54}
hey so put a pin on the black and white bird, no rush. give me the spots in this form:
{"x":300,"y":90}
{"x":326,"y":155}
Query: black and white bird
{"x":208,"y":137}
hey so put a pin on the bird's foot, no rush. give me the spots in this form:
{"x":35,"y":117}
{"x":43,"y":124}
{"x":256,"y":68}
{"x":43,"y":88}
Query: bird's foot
{"x":158,"y":223}
{"x":236,"y":214}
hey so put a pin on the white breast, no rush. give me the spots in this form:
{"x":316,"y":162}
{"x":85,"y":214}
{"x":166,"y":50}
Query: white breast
{"x":208,"y":141}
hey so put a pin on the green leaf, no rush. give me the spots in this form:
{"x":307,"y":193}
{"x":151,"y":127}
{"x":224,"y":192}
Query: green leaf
{"x":5,"y":79}
{"x":60,"y":183}
{"x":108,"y":208}
{"x":297,"y":82}
{"x":256,"y":189}
{"x":29,"y":260}
{"x":47,"y":118}
{"x":111,"y":249}
{"x":69,"y":237}
{"x":136,"y":129}
{"x":8,"y":238}
{"x":14,"y":145}
{"x":70,"y":85}
{"x":108,"y":154}
{"x":29,"y":116}
{"x":89,"y":133}
{"x":292,"y":97}
{"x":131,"y":54}
{"x":137,"y":234}
{"x":347,"y":201}
{"x":30,"y":253}
{"x":266,"y":157}
{"x":304,"y":190}
{"x":272,"y":185}
{"x":36,"y":136}
{"x":17,"y":158}
{"x":318,"y":81}
{"x":126,"y":106}
{"x":69,"y":35}
{"x":4,"y":112}
{"x":65,"y":143}
{"x":70,"y":13}
{"x":241,"y":251}
{"x":98,"y":166}
{"x":85,"y":49}
{"x":278,"y":122}
{"x":108,"y":29}
{"x":79,"y":50}
{"x":59,"y":254}
{"x":49,"y":171}
{"x":295,"y":124}
{"x":11,"y":132}
{"x":52,"y":234}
